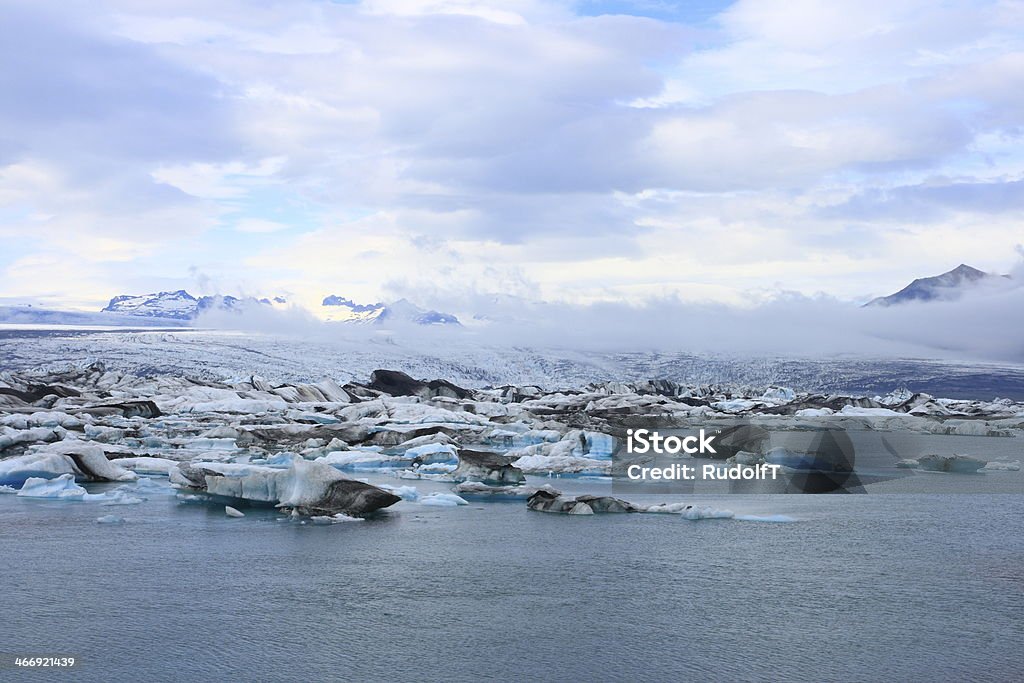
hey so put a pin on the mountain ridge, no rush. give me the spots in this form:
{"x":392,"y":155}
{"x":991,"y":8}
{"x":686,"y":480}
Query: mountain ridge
{"x":947,"y":286}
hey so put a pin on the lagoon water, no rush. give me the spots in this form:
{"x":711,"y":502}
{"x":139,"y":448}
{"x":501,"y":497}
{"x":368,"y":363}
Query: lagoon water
{"x":860,"y":587}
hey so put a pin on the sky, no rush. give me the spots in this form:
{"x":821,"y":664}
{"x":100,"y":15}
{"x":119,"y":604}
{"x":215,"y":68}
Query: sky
{"x":571,"y":152}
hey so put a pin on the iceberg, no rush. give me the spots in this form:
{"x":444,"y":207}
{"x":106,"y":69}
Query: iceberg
{"x":490,"y":468}
{"x":308,"y":488}
{"x":1003,"y":466}
{"x":61,"y":488}
{"x":404,"y":492}
{"x":551,"y":500}
{"x":561,"y":464}
{"x":338,"y":518}
{"x":962,"y":464}
{"x":443,"y":500}
{"x":85,"y":461}
{"x":476,"y":489}
{"x":433,"y":453}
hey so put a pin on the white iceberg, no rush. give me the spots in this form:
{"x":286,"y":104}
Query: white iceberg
{"x":61,"y":488}
{"x":962,"y":464}
{"x":307,"y":487}
{"x":1003,"y":466}
{"x":443,"y":500}
{"x":84,"y":460}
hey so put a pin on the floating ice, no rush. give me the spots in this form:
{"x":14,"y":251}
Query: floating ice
{"x":361,"y":460}
{"x":433,"y":453}
{"x":765,"y":518}
{"x":62,"y":487}
{"x":110,"y":519}
{"x":307,"y":487}
{"x":443,"y":500}
{"x":339,"y":518}
{"x":561,"y":464}
{"x":120,"y":497}
{"x":1003,"y":466}
{"x":233,"y":512}
{"x":780,"y":394}
{"x":963,"y":464}
{"x":404,"y":492}
{"x":437,"y":468}
{"x":147,"y":465}
{"x":695,"y":513}
{"x":83,"y":460}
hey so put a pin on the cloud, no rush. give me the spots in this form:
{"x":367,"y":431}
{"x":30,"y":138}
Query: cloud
{"x":725,"y":154}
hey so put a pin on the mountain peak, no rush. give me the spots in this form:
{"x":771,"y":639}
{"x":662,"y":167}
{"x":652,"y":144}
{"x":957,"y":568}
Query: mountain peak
{"x":177,"y":305}
{"x":340,"y":309}
{"x":945,"y":287}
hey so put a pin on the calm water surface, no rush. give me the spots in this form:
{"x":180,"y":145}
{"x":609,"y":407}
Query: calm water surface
{"x":861,"y":587}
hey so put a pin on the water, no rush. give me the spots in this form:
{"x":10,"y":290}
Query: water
{"x":861,"y":587}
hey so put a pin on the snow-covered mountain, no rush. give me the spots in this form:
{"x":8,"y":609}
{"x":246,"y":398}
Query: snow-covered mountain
{"x":946,"y":287}
{"x":340,"y":309}
{"x":180,"y":305}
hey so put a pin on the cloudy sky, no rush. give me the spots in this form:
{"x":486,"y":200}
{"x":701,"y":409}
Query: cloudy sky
{"x":567,"y":151}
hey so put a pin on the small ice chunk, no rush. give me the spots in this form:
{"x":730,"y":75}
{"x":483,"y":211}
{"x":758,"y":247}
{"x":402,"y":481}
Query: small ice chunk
{"x":443,"y":500}
{"x":404,"y":492}
{"x":1003,"y":466}
{"x":110,"y":519}
{"x":121,"y":497}
{"x":765,"y":518}
{"x":233,"y":512}
{"x":707,"y":513}
{"x":963,"y":464}
{"x":339,"y":518}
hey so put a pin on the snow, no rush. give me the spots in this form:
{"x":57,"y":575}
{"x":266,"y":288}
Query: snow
{"x":443,"y":500}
